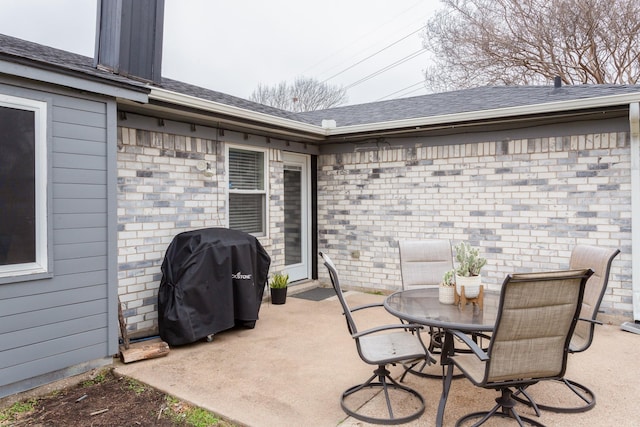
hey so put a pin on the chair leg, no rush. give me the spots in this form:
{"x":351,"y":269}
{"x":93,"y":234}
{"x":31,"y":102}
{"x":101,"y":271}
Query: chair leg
{"x":384,"y":383}
{"x":582,"y":392}
{"x":505,"y":408}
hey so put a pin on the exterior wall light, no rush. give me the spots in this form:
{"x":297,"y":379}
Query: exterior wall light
{"x":205,"y":168}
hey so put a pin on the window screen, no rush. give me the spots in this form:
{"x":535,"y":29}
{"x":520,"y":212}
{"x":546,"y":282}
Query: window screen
{"x":23,"y":181}
{"x":247,"y":194}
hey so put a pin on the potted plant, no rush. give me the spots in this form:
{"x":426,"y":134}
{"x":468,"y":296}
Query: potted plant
{"x":278,"y":287}
{"x":468,"y":271}
{"x":447,"y":288}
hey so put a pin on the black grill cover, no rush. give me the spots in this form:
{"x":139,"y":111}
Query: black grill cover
{"x":212,"y":280}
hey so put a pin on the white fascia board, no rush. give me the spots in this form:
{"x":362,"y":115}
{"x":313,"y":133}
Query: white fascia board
{"x":74,"y":82}
{"x":551,"y":107}
{"x":497,"y":113}
{"x":241,"y":113}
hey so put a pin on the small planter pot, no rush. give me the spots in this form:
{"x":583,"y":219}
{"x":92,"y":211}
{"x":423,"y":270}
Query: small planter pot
{"x":278,"y":295}
{"x":446,"y":294}
{"x":471,"y":286}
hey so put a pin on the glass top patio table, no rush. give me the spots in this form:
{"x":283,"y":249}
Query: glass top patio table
{"x":422,"y":306}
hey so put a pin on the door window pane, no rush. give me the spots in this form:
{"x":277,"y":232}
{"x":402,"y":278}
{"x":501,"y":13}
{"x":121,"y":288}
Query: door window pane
{"x":293,"y":215}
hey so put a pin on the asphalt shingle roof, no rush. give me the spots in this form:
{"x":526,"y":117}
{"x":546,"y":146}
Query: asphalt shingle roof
{"x":461,"y":101}
{"x":18,"y":50}
{"x":432,"y":105}
{"x":223,"y":98}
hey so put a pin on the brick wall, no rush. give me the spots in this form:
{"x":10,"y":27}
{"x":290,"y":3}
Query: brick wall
{"x":160,"y":194}
{"x":524,"y":203}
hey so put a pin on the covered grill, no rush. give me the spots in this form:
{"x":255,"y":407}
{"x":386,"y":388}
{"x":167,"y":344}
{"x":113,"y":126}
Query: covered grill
{"x":212,"y":279}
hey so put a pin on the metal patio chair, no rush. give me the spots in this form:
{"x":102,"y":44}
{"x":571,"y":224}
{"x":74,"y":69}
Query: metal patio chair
{"x":422,"y":265}
{"x":424,"y":262}
{"x":536,"y":318}
{"x":599,"y":260}
{"x":381,"y":346}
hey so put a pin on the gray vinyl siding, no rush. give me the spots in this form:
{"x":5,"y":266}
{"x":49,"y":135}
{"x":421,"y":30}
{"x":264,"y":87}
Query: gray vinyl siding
{"x":50,"y":325}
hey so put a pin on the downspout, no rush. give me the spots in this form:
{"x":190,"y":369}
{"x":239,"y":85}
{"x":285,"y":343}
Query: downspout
{"x":634,"y":127}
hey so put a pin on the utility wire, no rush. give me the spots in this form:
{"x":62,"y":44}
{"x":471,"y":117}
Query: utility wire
{"x":413,"y":91}
{"x":344,"y":47}
{"x":387,"y":68}
{"x":421,"y":82}
{"x":374,"y":54}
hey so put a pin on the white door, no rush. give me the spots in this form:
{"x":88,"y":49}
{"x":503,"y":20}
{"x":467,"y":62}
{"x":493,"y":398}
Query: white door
{"x":297,"y":212}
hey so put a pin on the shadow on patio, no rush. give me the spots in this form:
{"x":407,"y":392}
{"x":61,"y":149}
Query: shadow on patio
{"x":292,"y":368}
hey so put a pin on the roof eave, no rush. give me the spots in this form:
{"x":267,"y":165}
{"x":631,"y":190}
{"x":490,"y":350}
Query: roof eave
{"x":415,"y":123}
{"x":474,"y":116}
{"x":189,"y":101}
{"x":75,"y":79}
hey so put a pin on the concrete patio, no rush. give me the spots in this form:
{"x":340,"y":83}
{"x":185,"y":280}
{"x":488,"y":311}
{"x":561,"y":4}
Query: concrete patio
{"x":292,"y":368}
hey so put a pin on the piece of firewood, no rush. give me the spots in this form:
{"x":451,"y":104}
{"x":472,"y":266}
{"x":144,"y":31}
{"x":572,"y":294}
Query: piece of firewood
{"x":144,"y":350}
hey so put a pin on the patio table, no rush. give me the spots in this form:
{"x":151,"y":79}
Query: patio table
{"x":422,"y":306}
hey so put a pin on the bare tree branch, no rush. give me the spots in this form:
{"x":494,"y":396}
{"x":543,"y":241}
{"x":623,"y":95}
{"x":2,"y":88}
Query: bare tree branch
{"x":489,"y":42}
{"x":305,"y":94}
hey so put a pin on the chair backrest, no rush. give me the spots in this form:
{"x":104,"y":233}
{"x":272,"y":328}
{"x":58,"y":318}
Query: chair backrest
{"x":536,"y":317}
{"x":599,"y":260}
{"x":424,"y":262}
{"x":335,"y":281}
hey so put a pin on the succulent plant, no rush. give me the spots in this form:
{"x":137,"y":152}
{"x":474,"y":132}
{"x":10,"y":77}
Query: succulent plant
{"x":469,"y":260}
{"x":449,"y":278}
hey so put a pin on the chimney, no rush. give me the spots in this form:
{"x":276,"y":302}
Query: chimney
{"x":129,"y":38}
{"x":557,"y":82}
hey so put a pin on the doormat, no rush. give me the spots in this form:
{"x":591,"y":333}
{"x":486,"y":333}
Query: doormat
{"x":315,"y":294}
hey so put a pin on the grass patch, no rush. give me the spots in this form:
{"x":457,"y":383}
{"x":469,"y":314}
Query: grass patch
{"x":100,"y":377}
{"x":135,"y":386}
{"x":194,"y":416}
{"x":19,"y":408}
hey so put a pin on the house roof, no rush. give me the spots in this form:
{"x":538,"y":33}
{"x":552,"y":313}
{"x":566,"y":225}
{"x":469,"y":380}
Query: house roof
{"x":468,"y":105}
{"x":454,"y":103}
{"x":24,"y":52}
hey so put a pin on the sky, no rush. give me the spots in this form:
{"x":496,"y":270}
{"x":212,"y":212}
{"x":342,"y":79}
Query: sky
{"x":232,"y":46}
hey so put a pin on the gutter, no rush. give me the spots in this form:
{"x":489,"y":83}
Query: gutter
{"x":329,"y":129}
{"x":497,"y":113}
{"x":634,"y":127}
{"x":228,"y":110}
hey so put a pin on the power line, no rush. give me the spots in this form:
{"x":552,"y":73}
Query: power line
{"x":410,"y":92}
{"x":344,"y":47}
{"x":421,"y":82}
{"x":374,"y":54}
{"x":387,"y":68}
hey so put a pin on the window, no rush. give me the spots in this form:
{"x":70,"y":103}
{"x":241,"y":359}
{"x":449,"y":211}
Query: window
{"x":247,"y":191}
{"x":23,"y":182}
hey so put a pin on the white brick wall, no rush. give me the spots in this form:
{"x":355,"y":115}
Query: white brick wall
{"x":160,"y":194}
{"x":525,"y":203}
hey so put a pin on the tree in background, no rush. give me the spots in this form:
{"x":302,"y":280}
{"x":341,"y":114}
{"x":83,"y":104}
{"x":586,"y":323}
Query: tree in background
{"x":305,"y":94}
{"x":509,"y":42}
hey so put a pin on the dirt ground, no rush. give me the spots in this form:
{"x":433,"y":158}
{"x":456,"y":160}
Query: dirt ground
{"x":107,"y":400}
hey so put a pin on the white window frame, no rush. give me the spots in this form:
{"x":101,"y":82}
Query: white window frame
{"x":265,"y":191}
{"x":41,"y":264}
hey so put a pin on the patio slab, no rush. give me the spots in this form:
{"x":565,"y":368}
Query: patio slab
{"x":291,"y":369}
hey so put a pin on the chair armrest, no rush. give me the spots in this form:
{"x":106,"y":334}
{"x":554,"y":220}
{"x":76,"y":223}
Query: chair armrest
{"x":362,"y":307}
{"x":594,"y":321}
{"x":410,"y":326}
{"x":475,"y":348}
